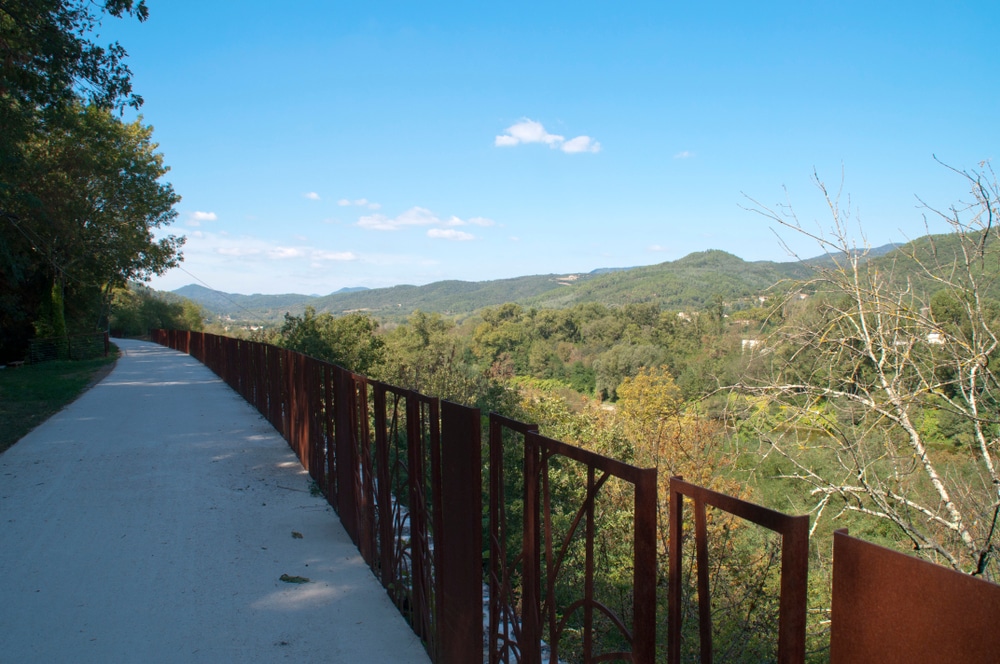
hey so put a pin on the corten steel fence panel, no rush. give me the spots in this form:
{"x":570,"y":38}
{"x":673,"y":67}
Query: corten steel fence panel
{"x":73,"y":347}
{"x":363,"y":480}
{"x":459,"y":543}
{"x":316,"y":440}
{"x":329,"y":484}
{"x":505,"y":566}
{"x":794,"y":531}
{"x":423,"y":441}
{"x":344,"y":450}
{"x":544,"y":557}
{"x":890,"y":607}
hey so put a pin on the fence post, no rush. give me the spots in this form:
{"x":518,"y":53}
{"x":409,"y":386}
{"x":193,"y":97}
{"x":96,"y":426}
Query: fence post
{"x":460,"y":626}
{"x":344,"y":442}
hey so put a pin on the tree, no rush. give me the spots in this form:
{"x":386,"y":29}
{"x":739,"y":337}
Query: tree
{"x":136,"y":310}
{"x":49,"y":64}
{"x":88,"y":209}
{"x":47,"y":57}
{"x":847,"y":388}
{"x":349,"y":341}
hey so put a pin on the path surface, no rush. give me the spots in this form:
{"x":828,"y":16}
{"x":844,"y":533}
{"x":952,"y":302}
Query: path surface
{"x":150,"y":521}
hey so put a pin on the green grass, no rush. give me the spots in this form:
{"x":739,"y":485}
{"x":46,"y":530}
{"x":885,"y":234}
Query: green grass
{"x":31,"y":394}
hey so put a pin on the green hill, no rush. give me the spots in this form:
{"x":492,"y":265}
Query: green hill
{"x":689,"y":282}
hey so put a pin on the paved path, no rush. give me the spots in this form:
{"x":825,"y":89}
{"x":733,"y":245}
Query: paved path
{"x":150,"y":521}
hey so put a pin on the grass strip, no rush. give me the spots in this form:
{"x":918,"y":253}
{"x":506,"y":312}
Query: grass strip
{"x":30,"y":394}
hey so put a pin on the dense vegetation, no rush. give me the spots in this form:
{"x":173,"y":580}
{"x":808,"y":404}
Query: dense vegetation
{"x":690,"y":282}
{"x":785,"y":394}
{"x":80,"y":189}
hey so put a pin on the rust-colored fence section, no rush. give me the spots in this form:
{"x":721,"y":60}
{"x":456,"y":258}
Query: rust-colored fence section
{"x":401,"y":469}
{"x":526,"y":611}
{"x":75,"y":347}
{"x":404,"y":473}
{"x":890,"y":607}
{"x":794,"y":531}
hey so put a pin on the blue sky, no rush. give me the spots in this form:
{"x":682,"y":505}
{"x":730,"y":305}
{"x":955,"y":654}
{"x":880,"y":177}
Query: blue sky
{"x":321,"y":145}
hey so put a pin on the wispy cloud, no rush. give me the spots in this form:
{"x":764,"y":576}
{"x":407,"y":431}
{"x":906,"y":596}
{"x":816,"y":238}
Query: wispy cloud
{"x":312,"y":195}
{"x":334,"y":256}
{"x":450,"y":234}
{"x":530,"y":131}
{"x":418,"y":216}
{"x":197,"y":218}
{"x":253,"y":249}
{"x":657,"y":247}
{"x":581,"y":144}
{"x":684,"y":154}
{"x":359,"y":202}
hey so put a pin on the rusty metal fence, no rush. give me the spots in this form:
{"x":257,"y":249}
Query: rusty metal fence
{"x":539,"y":610}
{"x":402,"y":470}
{"x":404,"y":473}
{"x":74,"y":347}
{"x":794,"y":531}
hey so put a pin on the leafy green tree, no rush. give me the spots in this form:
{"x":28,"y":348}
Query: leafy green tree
{"x":137,"y":309}
{"x":620,"y":362}
{"x":96,"y":197}
{"x":49,"y":64}
{"x":350,"y":341}
{"x":428,"y":354}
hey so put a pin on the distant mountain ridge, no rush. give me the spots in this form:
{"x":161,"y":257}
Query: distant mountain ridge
{"x":689,"y":282}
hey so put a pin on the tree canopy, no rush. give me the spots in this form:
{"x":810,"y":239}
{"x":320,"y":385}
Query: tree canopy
{"x":81,"y":190}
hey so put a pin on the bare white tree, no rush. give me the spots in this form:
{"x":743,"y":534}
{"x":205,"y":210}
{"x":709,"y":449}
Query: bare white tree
{"x":853,"y":387}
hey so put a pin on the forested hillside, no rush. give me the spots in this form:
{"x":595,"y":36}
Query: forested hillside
{"x":691,"y":282}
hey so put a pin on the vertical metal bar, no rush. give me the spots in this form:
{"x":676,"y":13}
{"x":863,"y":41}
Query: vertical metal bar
{"x":329,"y":486}
{"x":674,"y":578}
{"x":365,"y":480}
{"x":460,"y":623}
{"x":383,"y":465}
{"x":346,"y":463}
{"x":588,"y":592}
{"x":704,"y":597}
{"x":498,"y":536}
{"x":794,"y":583}
{"x":439,"y":572}
{"x":531,"y":591}
{"x":644,"y":568}
{"x":419,"y":601}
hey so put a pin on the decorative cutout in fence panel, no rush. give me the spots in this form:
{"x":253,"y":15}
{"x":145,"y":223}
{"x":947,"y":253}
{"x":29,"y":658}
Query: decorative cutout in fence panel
{"x":573,"y":593}
{"x":794,"y":569}
{"x":506,"y":523}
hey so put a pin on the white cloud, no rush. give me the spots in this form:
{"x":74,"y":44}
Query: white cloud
{"x":530,"y":131}
{"x":196,"y":218}
{"x":450,"y":234}
{"x":360,"y":202}
{"x":581,"y":144}
{"x":684,"y":154}
{"x":282,"y":253}
{"x":312,"y":195}
{"x":527,"y":131}
{"x":418,"y":216}
{"x":657,"y":247}
{"x":238,"y":251}
{"x":334,"y":256}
